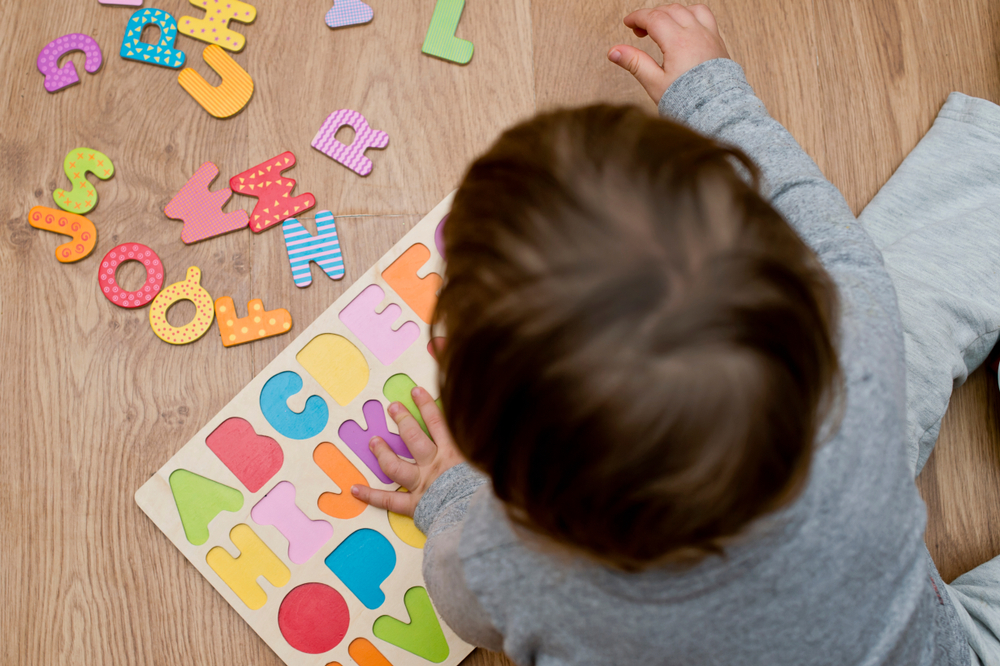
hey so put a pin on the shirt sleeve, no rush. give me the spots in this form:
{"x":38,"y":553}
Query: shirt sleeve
{"x":715,"y":99}
{"x":439,"y":515}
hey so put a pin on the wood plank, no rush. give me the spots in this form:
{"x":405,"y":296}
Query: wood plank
{"x":771,"y":39}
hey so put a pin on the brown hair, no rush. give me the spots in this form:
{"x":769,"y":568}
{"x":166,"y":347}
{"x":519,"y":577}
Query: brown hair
{"x":640,"y":349}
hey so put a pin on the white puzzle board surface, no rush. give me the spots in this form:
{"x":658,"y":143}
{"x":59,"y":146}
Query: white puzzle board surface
{"x":259,"y":500}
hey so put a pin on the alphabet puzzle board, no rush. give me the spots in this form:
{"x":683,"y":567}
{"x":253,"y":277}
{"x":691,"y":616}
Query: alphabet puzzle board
{"x":259,"y":501}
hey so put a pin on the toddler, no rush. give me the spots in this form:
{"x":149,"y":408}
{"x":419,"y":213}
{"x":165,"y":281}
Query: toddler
{"x":676,"y":395}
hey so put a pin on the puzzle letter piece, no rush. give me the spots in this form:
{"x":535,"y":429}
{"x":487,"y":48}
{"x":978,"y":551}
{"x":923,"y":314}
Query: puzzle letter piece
{"x":422,"y":636}
{"x":334,"y":463}
{"x":199,"y":500}
{"x":398,"y":388}
{"x":419,"y":293}
{"x":163,"y":52}
{"x":201,"y":210}
{"x":366,"y":654}
{"x":323,"y":248}
{"x":357,"y":438}
{"x":374,"y":329}
{"x":348,"y":12}
{"x":405,"y":528}
{"x":255,"y":560}
{"x":305,"y":536}
{"x":253,"y":459}
{"x":80,"y":229}
{"x":338,"y":366}
{"x":57,"y":78}
{"x":78,"y":163}
{"x":352,"y":156}
{"x":188,"y":290}
{"x":230,"y":96}
{"x":118,"y":256}
{"x":294,"y":425}
{"x":441,"y":41}
{"x":214,"y":28}
{"x":314,"y":618}
{"x":264,"y":182}
{"x":362,"y":562}
{"x":257,"y":325}
{"x":439,"y":236}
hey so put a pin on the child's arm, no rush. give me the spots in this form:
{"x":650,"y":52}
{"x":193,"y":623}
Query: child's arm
{"x":440,"y":485}
{"x":698,"y":85}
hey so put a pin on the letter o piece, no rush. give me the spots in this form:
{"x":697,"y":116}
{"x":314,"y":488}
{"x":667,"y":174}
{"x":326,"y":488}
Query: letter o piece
{"x":188,"y":290}
{"x":118,"y":256}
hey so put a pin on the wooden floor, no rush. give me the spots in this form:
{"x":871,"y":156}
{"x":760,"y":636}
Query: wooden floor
{"x":93,"y":403}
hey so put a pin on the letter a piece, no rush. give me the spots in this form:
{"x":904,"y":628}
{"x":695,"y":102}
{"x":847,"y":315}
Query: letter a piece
{"x":163,"y":52}
{"x":441,"y":41}
{"x":264,"y":182}
{"x":352,"y":156}
{"x":214,"y":28}
{"x":57,"y":78}
{"x":422,"y":636}
{"x":257,"y":325}
{"x":199,"y":500}
{"x":230,"y":96}
{"x":201,"y":210}
{"x":419,"y":293}
{"x":374,"y":329}
{"x":78,"y":163}
{"x":255,"y":560}
{"x":82,"y":230}
{"x":323,"y":248}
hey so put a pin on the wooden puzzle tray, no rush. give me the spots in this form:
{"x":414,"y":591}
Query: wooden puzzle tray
{"x":259,"y":500}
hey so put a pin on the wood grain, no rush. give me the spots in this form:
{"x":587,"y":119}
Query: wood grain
{"x":94,"y":403}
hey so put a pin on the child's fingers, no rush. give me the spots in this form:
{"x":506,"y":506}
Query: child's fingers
{"x":646,"y":71}
{"x":397,"y":469}
{"x":684,"y":17}
{"x":432,"y":416}
{"x":401,"y":503}
{"x":420,"y":445}
{"x":658,"y":23}
{"x":704,"y":16}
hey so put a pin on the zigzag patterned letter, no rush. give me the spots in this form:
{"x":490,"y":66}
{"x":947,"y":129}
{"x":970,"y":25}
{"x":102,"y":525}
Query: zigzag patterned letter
{"x":201,"y":209}
{"x":352,"y":156}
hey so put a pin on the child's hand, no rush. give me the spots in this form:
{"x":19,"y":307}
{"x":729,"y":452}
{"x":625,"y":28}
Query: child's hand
{"x":688,"y":36}
{"x":432,"y":457}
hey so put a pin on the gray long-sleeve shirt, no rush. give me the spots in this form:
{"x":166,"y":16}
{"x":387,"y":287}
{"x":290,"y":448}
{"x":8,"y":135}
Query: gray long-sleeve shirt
{"x":841,"y":576}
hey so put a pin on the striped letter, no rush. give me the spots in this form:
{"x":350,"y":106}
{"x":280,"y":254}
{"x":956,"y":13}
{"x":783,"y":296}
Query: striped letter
{"x":323,"y":248}
{"x":230,"y":96}
{"x":352,"y":156}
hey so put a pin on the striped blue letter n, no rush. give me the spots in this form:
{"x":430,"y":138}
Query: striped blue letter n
{"x":323,"y":248}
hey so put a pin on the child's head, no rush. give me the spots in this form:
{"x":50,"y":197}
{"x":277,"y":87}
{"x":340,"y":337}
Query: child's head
{"x":640,"y":349}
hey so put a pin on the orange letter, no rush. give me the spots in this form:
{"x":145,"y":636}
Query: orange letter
{"x":230,"y":96}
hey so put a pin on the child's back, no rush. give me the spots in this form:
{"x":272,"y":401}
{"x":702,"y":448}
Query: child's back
{"x":643,"y":357}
